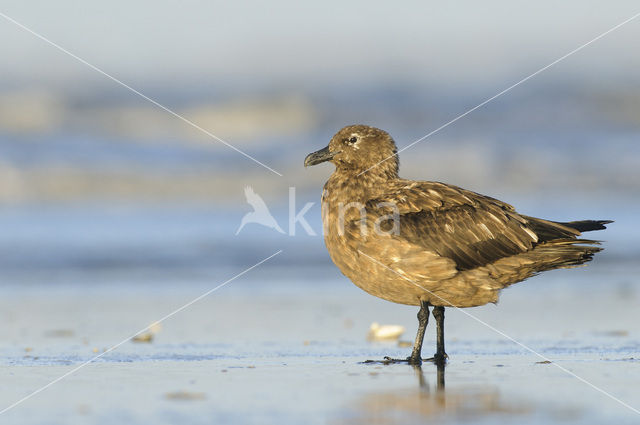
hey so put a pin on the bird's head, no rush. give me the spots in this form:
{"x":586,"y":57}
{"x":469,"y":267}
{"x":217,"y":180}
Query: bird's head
{"x":359,"y":148}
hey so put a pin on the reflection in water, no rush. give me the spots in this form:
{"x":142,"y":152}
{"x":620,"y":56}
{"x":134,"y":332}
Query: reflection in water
{"x":409,"y":405}
{"x":424,"y":386}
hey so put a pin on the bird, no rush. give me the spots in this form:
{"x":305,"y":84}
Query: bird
{"x":427,"y":243}
{"x":260,"y":213}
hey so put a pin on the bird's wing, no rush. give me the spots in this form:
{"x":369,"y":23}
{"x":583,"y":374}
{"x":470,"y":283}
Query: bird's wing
{"x":471,"y":229}
{"x":255,"y":200}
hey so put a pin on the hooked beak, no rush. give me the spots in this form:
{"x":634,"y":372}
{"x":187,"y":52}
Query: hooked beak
{"x":317,"y":157}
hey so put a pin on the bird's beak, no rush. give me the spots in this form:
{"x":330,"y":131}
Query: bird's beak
{"x":317,"y":157}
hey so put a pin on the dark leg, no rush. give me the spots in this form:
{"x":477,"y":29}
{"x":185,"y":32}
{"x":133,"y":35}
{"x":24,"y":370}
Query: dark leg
{"x":441,"y":356}
{"x":423,"y":320}
{"x":416,"y":355}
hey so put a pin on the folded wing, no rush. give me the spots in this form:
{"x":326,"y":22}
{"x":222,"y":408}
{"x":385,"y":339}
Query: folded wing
{"x":471,"y":229}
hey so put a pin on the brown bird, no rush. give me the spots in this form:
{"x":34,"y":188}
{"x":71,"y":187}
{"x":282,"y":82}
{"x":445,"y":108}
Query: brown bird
{"x":431,"y":244}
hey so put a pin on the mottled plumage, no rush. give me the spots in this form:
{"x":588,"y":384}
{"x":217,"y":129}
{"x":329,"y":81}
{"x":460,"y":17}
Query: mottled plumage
{"x":449,"y":246}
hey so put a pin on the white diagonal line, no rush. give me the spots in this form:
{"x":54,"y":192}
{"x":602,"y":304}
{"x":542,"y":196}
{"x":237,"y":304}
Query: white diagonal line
{"x":145,"y":97}
{"x":480,"y":105}
{"x":74,"y":370}
{"x":542,"y":356}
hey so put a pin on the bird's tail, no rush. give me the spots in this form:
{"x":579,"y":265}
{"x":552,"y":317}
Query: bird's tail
{"x":563,"y":253}
{"x":587,"y":225}
{"x":548,"y":230}
{"x":556,"y":254}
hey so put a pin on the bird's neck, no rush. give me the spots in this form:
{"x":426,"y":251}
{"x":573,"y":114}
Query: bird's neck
{"x":360,"y":185}
{"x":378,"y":173}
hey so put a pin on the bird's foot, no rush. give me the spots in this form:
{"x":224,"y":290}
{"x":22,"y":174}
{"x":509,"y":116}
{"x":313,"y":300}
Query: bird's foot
{"x":389,"y":360}
{"x":439,"y":358}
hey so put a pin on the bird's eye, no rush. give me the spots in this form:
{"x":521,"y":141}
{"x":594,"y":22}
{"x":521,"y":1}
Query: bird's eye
{"x":353,"y":139}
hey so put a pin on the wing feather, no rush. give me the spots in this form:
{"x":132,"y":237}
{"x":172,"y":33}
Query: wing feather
{"x":471,"y":229}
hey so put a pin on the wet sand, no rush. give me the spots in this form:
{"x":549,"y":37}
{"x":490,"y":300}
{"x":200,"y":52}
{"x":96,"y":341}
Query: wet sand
{"x":290,"y":351}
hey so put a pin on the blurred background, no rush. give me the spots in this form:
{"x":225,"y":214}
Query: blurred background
{"x":99,"y":184}
{"x":114,"y":212}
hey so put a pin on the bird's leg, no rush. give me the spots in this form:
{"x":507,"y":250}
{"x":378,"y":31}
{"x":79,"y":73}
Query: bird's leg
{"x":440,"y":357}
{"x":423,"y":320}
{"x":416,"y":355}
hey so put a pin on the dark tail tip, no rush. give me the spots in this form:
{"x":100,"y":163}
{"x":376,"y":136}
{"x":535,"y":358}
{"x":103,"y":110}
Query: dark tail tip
{"x":588,"y":225}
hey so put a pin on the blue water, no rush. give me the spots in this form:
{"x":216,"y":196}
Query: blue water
{"x":549,"y":153}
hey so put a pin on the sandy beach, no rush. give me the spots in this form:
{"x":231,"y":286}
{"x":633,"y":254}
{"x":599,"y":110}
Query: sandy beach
{"x":289,"y":350}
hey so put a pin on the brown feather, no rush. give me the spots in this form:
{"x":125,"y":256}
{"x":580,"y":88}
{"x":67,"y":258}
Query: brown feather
{"x":453,"y":247}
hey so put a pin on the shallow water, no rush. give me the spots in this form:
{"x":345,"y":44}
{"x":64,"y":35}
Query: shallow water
{"x":271,"y":348}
